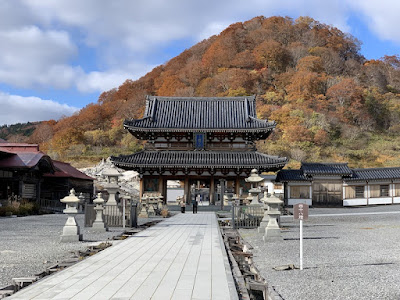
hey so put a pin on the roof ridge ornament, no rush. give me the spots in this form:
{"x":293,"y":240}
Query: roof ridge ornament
{"x":153,"y":109}
{"x":246,"y":109}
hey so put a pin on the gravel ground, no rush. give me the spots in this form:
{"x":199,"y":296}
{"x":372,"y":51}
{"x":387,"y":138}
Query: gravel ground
{"x":345,"y":256}
{"x":30,"y":244}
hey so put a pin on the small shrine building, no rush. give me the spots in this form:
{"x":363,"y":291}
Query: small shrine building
{"x":199,"y":141}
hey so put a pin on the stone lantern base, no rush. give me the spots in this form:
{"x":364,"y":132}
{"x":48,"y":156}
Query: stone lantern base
{"x":71,"y":231}
{"x":99,"y":227}
{"x":143,"y":212}
{"x":263,"y":224}
{"x":272,"y":231}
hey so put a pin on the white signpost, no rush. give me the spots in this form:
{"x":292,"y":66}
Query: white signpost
{"x":300,"y":212}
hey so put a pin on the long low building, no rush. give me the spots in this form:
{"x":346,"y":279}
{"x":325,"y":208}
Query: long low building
{"x":28,"y":174}
{"x":335,"y":184}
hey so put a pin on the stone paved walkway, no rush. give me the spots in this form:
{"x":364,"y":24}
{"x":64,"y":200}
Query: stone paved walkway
{"x":182,"y":257}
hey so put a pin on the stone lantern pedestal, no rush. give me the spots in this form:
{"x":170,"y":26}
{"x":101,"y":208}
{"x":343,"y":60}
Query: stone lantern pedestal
{"x":160,"y":202}
{"x":272,"y":231}
{"x":151,"y":199}
{"x":81,"y":202}
{"x":254,"y":179}
{"x":265,"y":219}
{"x":71,"y":230}
{"x":98,"y":224}
{"x":143,"y":212}
{"x":111,"y":185}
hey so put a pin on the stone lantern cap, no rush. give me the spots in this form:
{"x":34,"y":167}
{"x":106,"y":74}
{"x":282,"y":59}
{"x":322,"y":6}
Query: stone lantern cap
{"x":71,"y":198}
{"x":254,"y":177}
{"x":273,"y":200}
{"x":111,"y":172}
{"x":99,"y":199}
{"x":126,"y":196}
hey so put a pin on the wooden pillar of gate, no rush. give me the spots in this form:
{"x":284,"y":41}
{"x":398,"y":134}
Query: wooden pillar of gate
{"x":141,"y":188}
{"x":237,"y":186}
{"x":187,"y":190}
{"x":165,"y":190}
{"x":161,"y":187}
{"x":212,"y":191}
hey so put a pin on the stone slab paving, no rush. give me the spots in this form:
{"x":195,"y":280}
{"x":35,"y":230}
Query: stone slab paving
{"x":182,"y":257}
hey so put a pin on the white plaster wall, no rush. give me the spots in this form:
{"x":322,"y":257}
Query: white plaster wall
{"x":396,"y":200}
{"x":297,"y":201}
{"x":351,"y":202}
{"x":385,"y":200}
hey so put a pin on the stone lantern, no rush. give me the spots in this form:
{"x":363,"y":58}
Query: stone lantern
{"x":160,"y":202}
{"x":71,"y":231}
{"x":111,"y":185}
{"x":81,"y":201}
{"x":98,"y":224}
{"x":143,"y":211}
{"x":254,"y":179}
{"x":272,"y":231}
{"x":265,"y":219}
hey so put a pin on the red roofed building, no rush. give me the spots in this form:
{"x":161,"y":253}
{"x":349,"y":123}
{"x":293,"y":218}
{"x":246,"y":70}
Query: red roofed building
{"x":58,"y":184}
{"x":21,"y":169}
{"x":27,"y":173}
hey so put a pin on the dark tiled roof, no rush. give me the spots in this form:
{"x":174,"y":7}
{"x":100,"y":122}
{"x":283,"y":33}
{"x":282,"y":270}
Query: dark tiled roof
{"x":375,"y":174}
{"x":291,"y":175}
{"x":200,"y":159}
{"x":200,"y":113}
{"x":326,"y":169}
{"x":22,"y":160}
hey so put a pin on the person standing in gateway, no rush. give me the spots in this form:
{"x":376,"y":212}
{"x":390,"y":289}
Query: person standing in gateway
{"x":196,"y":203}
{"x":183,"y":204}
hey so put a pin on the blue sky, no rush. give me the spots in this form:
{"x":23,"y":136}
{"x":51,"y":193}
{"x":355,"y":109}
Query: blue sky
{"x":58,"y":56}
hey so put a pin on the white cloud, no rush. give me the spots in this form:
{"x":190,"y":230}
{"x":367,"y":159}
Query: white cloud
{"x":382,"y":17}
{"x":31,"y":57}
{"x":43,"y":40}
{"x":142,"y":26}
{"x":17,"y":109}
{"x":101,"y":81}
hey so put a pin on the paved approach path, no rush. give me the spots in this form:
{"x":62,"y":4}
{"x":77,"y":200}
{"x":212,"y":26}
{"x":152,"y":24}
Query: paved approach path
{"x":182,"y":257}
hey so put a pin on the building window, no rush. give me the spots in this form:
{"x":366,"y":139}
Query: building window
{"x":359,"y":189}
{"x":354,"y":192}
{"x":384,"y":190}
{"x":300,"y":192}
{"x":5,"y":174}
{"x":325,"y":193}
{"x":379,"y":190}
{"x":350,"y":192}
{"x":397,"y":190}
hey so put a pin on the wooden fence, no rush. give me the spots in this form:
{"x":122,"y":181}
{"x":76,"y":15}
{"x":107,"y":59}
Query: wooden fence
{"x":51,"y":205}
{"x":247,"y":216}
{"x":113,"y":215}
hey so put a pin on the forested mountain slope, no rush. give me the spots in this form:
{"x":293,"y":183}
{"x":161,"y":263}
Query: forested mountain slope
{"x":329,"y":102}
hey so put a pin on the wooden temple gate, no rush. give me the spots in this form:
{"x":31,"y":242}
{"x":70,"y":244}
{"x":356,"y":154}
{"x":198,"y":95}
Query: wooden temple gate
{"x":198,"y":138}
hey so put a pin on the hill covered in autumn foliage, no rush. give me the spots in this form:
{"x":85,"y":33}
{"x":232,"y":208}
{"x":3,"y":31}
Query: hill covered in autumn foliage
{"x":330,"y":103}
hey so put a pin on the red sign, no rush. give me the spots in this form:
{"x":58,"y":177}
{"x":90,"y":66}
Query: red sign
{"x":300,"y":211}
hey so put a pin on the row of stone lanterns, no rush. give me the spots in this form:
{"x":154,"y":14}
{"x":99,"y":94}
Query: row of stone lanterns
{"x":269,"y":224}
{"x":71,"y":229}
{"x":74,"y":204}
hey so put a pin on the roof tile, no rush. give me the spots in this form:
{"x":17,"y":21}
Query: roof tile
{"x":200,"y":113}
{"x":199,"y":159}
